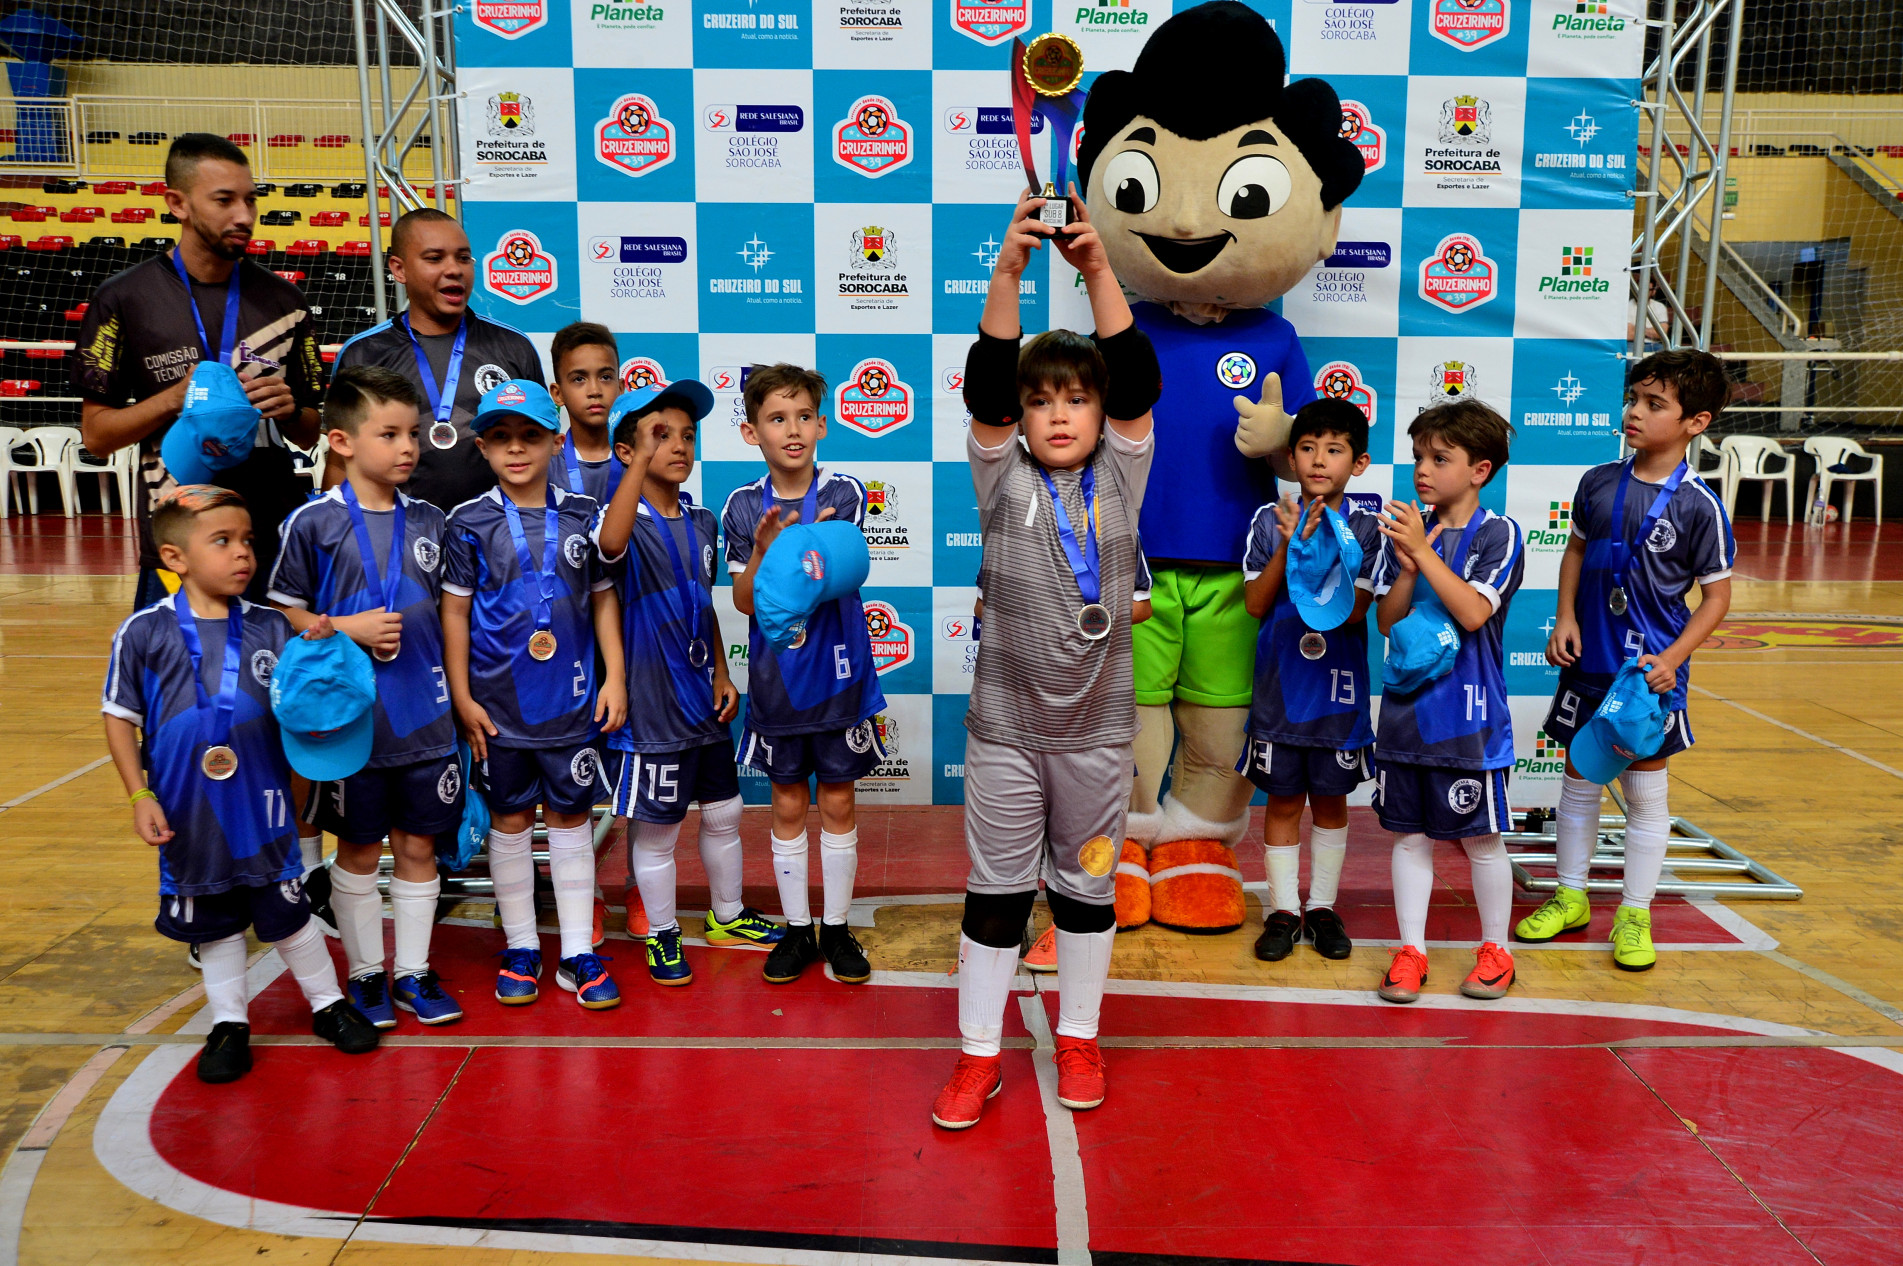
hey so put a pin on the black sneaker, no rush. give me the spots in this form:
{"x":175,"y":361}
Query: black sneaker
{"x":317,"y":890}
{"x":1323,"y":926}
{"x":227,"y":1053}
{"x":344,"y":1027}
{"x":1279,"y":933}
{"x":793,"y":954}
{"x":844,"y":954}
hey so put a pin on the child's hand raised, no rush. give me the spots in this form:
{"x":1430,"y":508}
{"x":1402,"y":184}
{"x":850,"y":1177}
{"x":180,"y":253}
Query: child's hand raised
{"x":1025,"y":235}
{"x":1402,"y":523}
{"x":1078,"y":241}
{"x":1314,"y":517}
{"x":1288,"y":518}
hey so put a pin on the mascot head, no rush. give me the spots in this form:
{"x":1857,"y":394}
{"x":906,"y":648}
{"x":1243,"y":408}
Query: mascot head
{"x":1213,"y":185}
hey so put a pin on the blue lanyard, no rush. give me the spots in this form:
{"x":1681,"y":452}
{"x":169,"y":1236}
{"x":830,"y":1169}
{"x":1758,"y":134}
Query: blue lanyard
{"x":1457,"y":564}
{"x":572,"y":460}
{"x":229,"y":339}
{"x":1623,"y":557}
{"x":392,"y":576}
{"x":228,"y":678}
{"x":1083,"y":562}
{"x":551,"y":540}
{"x":442,"y":400}
{"x":809,"y":504}
{"x":690,"y":592}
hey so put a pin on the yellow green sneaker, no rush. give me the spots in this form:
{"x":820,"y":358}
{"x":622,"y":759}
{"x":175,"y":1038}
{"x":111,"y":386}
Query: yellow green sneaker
{"x":1565,"y":911}
{"x":1632,"y":939}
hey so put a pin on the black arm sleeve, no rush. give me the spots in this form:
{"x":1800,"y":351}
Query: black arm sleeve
{"x":1136,"y":379}
{"x":991,"y":381}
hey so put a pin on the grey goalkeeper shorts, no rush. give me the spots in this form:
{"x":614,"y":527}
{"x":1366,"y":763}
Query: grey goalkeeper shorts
{"x":1051,"y":815}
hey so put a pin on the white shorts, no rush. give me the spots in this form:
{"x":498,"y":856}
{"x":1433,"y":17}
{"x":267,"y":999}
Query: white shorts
{"x":1054,"y":815}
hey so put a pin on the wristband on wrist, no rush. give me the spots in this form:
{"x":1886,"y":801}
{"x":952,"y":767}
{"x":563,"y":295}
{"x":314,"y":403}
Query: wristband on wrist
{"x":143,"y":793}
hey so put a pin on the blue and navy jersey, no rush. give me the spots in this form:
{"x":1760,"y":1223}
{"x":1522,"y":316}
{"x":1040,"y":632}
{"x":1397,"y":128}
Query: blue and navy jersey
{"x":598,"y":479}
{"x":232,"y":834}
{"x":320,"y":569}
{"x":672,"y":702}
{"x":1460,"y":721}
{"x":1297,"y":700}
{"x":532,"y":702}
{"x":1201,"y":513}
{"x":827,"y":683}
{"x":1690,"y":544}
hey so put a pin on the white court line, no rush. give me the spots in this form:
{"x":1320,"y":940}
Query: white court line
{"x":61,"y":781}
{"x":1067,"y":1163}
{"x":23,"y":1166}
{"x":1821,"y":742}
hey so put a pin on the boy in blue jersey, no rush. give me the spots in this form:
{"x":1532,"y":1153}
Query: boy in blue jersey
{"x":1309,"y":734}
{"x":189,"y":725}
{"x":370,"y":557}
{"x":675,"y":748}
{"x":1444,"y":746}
{"x":1619,"y":601}
{"x":525,"y":603}
{"x":810,"y":706}
{"x":587,"y":380}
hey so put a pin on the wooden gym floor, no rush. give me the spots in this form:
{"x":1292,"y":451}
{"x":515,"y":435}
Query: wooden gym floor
{"x":1737,"y":1104}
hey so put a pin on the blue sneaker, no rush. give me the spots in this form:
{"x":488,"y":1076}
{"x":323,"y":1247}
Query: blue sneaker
{"x":666,"y":963}
{"x":370,"y":994}
{"x":424,"y":996}
{"x":749,"y":927}
{"x":585,"y":977}
{"x":515,"y":983}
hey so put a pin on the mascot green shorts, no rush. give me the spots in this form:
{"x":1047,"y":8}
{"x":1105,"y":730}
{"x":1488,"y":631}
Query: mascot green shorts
{"x":1199,"y":643}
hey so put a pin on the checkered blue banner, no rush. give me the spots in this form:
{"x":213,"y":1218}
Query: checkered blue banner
{"x":725,"y":182}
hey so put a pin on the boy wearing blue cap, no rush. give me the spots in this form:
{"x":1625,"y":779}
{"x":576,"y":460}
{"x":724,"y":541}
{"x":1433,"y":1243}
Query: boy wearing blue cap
{"x":676,"y":749}
{"x":1645,"y":530}
{"x":369,"y":556}
{"x":190,"y":729}
{"x":587,"y":384}
{"x":1310,"y":571}
{"x":1445,"y":741}
{"x":809,"y":706}
{"x":525,"y":604}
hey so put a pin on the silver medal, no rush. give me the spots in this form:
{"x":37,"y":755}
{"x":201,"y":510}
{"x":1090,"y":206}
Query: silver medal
{"x":1617,"y":600}
{"x":1093,"y":621}
{"x":698,"y":652}
{"x":443,"y":435}
{"x":1314,"y":645}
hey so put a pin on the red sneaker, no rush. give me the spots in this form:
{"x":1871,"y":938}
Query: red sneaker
{"x":637,"y":913}
{"x":1492,"y":975}
{"x":1043,"y":955}
{"x":1406,"y":974}
{"x":600,"y":932}
{"x":975,"y":1079}
{"x":1080,"y":1072}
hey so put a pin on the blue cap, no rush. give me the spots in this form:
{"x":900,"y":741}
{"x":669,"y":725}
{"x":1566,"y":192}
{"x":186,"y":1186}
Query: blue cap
{"x":688,"y":393}
{"x":1322,"y":571}
{"x":324,"y":695}
{"x":1629,"y":726}
{"x":216,"y":429}
{"x":809,"y":565}
{"x":1421,"y":648}
{"x":516,"y":398}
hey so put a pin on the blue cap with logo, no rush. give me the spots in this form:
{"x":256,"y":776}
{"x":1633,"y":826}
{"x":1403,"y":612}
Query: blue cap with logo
{"x":690,"y":394}
{"x":216,"y":429}
{"x":1322,"y":571}
{"x":324,"y":695}
{"x":516,"y":398}
{"x":1421,"y":648}
{"x":1629,"y":726}
{"x":809,"y":565}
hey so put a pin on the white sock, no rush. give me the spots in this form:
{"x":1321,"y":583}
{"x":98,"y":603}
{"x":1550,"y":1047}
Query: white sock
{"x":1648,"y":828}
{"x":1327,"y":850}
{"x":1412,"y":870}
{"x":512,"y":868}
{"x":359,"y":909}
{"x":304,"y":954}
{"x":1576,"y":825}
{"x":720,"y":854}
{"x":838,"y":866}
{"x":654,"y":870}
{"x":311,"y":849}
{"x":1493,"y":884}
{"x":223,"y":961}
{"x":1083,"y":964}
{"x":984,"y":986}
{"x":789,"y":871}
{"x":1285,"y":877}
{"x":414,"y":907}
{"x":571,"y":870}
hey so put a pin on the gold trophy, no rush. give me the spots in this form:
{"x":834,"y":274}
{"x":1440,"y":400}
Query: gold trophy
{"x":1047,"y":74}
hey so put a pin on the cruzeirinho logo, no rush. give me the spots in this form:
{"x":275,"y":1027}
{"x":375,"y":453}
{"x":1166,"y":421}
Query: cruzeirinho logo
{"x":893,"y":643}
{"x":511,"y":19}
{"x":990,"y":24}
{"x":1341,"y":380}
{"x":873,"y":400}
{"x":1452,"y":380}
{"x":1575,"y":278}
{"x":1458,"y":276}
{"x":1468,"y":24}
{"x":1359,"y":129}
{"x":634,"y":139}
{"x":638,"y":372}
{"x":872,"y":139}
{"x":1548,"y":756}
{"x":519,"y":270}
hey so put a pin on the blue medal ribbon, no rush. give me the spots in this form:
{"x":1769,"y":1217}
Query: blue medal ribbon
{"x":1622,"y":554}
{"x":689,"y":590}
{"x":227,"y":704}
{"x":572,"y":460}
{"x":551,"y":542}
{"x":442,"y":400}
{"x":229,"y":339}
{"x":1083,"y":561}
{"x":386,"y":583}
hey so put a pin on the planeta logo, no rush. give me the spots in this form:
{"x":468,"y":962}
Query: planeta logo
{"x":511,"y":19}
{"x":1557,"y":530}
{"x":1575,"y":278}
{"x":873,"y":400}
{"x":1341,"y":380}
{"x":1359,"y":129}
{"x":1458,"y":276}
{"x":872,"y":139}
{"x":1452,"y":380}
{"x":990,"y":24}
{"x":1466,"y":121}
{"x":1111,"y":13}
{"x":1590,"y":19}
{"x":893,"y":643}
{"x":519,"y":270}
{"x":1468,"y":24}
{"x":638,"y":372}
{"x":634,"y":138}
{"x":1548,"y":756}
{"x":624,"y":17}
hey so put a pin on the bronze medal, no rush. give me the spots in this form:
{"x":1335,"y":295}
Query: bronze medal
{"x":541,"y":645}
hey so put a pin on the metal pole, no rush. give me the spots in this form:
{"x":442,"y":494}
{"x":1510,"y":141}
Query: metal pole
{"x":435,"y":81}
{"x":1683,"y":274}
{"x":452,"y":110}
{"x":1714,"y":242}
{"x":1648,"y":242}
{"x":369,"y":158}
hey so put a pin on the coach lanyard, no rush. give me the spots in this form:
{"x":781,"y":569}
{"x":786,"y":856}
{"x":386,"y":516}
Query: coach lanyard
{"x":227,"y":704}
{"x":551,"y":540}
{"x":442,"y":400}
{"x":1620,"y":599}
{"x":690,"y":591}
{"x":572,"y":460}
{"x":1083,"y":561}
{"x":229,"y":339}
{"x":392,"y":576}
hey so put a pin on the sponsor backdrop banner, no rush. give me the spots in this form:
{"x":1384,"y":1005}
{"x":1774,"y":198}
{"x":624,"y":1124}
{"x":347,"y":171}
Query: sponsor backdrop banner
{"x":725,"y":182}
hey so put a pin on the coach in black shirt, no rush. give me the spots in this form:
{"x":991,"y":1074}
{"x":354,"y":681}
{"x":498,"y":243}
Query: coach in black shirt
{"x":452,"y":355}
{"x":146,"y":328}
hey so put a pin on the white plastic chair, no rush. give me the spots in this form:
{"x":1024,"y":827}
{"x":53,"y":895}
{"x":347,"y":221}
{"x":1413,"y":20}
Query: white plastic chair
{"x":1704,"y":447}
{"x":11,"y":437}
{"x":52,"y":453}
{"x":1834,"y":450}
{"x":115,"y":470}
{"x":1758,"y":459}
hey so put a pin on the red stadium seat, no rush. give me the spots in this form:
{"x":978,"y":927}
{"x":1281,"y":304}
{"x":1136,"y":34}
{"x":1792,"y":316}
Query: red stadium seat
{"x":286,"y":140}
{"x":293,"y":275}
{"x":81,"y":215}
{"x":153,"y":188}
{"x":245,"y":139}
{"x":383,"y":219}
{"x":28,"y":215}
{"x":18,"y":386}
{"x":115,"y":188}
{"x":46,"y":353}
{"x":356,"y":249}
{"x":10,"y":242}
{"x":78,"y":314}
{"x":132,"y":215}
{"x":307,"y":246}
{"x":261,"y":246}
{"x":51,"y":242}
{"x":329,"y":219}
{"x":332,"y":140}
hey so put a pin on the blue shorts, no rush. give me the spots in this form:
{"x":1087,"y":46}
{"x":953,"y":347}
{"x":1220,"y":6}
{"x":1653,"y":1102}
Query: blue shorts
{"x":1442,"y":804}
{"x":275,"y":910}
{"x":835,"y":755}
{"x":1573,"y":706}
{"x":424,"y":798}
{"x":1285,"y":769}
{"x":658,"y":786}
{"x":565,"y":779}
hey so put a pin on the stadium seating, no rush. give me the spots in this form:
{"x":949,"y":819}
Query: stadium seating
{"x":1838,"y":461}
{"x":1764,"y":461}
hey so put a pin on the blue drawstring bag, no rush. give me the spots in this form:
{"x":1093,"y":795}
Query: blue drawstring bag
{"x":459,"y":850}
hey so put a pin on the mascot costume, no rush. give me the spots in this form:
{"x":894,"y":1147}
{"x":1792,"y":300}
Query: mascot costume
{"x":1216,"y":188}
